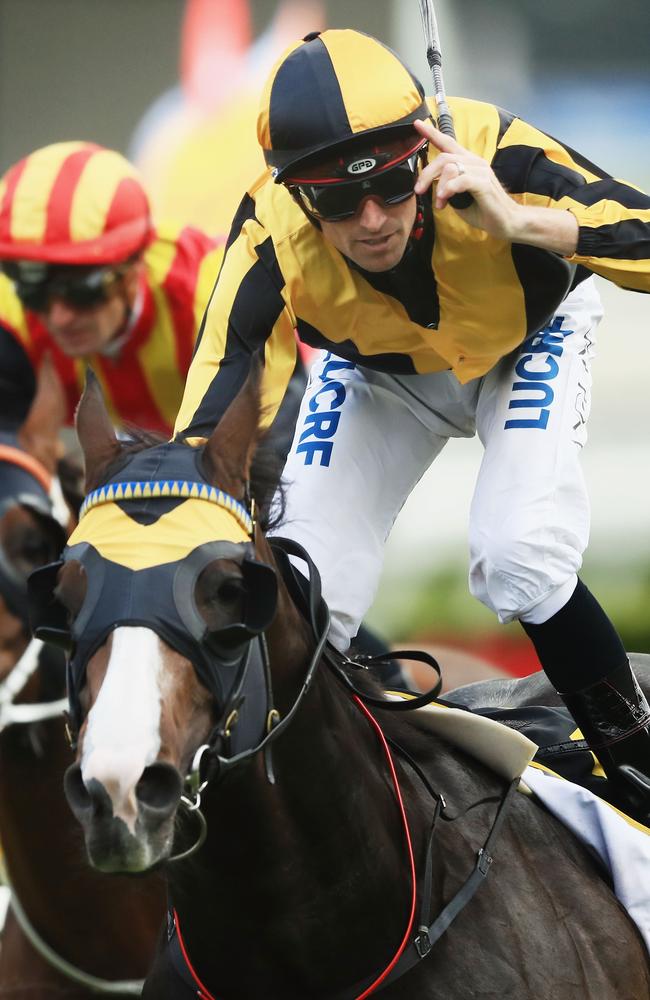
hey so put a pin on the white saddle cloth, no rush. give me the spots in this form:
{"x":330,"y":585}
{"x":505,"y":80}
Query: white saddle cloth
{"x":622,"y":845}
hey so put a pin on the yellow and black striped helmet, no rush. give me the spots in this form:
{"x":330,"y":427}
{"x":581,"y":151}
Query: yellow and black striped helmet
{"x":330,"y":88}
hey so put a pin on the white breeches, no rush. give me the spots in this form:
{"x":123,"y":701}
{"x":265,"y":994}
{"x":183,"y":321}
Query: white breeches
{"x":363,"y":440}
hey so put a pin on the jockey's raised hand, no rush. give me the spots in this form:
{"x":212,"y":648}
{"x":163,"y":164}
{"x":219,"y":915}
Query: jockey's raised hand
{"x":456,"y":169}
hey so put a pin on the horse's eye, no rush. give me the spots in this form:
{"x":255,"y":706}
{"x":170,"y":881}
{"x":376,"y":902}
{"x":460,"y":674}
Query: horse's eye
{"x":220,"y":594}
{"x":230,"y":591}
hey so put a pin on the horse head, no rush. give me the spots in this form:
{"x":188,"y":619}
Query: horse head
{"x":162,"y":599}
{"x":33,"y":516}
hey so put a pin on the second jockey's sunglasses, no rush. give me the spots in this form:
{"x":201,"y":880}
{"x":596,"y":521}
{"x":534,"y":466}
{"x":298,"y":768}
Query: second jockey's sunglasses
{"x":332,"y":200}
{"x":80,"y":287}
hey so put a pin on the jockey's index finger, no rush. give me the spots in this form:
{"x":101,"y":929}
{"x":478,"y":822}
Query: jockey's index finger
{"x":445,"y":143}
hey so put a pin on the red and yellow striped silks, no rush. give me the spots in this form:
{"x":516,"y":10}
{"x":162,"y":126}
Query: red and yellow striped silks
{"x":143,"y":383}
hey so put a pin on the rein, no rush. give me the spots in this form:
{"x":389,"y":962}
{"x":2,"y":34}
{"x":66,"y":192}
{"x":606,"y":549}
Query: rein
{"x":412,"y":949}
{"x":12,"y":714}
{"x":122,"y":987}
{"x":204,"y":993}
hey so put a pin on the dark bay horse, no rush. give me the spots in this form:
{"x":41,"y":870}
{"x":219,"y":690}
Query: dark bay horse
{"x":69,"y":932}
{"x":212,"y":732}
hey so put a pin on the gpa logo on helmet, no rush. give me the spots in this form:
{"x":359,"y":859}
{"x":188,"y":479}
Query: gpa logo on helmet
{"x":362,"y":166}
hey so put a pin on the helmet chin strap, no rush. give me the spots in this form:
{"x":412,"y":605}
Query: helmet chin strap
{"x":419,"y":225}
{"x":299,"y":202}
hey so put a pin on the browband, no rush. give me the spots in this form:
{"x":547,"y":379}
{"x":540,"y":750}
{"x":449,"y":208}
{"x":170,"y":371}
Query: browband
{"x":174,"y":488}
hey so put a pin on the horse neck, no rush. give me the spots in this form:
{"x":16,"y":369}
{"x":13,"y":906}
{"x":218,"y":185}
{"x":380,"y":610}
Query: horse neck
{"x":319,"y":855}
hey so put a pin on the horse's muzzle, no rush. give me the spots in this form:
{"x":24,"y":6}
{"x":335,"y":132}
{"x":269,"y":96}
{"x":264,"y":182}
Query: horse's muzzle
{"x":111,"y":845}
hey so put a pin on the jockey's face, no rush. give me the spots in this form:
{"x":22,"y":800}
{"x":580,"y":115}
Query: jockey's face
{"x":375,"y":237}
{"x":83,"y":330}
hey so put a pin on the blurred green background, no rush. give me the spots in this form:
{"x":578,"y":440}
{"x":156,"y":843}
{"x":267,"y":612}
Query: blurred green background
{"x":93,"y":68}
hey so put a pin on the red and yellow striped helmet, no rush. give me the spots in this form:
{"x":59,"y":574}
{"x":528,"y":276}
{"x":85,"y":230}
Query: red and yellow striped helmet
{"x":73,"y":203}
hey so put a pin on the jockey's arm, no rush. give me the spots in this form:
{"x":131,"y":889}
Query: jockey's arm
{"x":602,"y":223}
{"x":247,"y":313}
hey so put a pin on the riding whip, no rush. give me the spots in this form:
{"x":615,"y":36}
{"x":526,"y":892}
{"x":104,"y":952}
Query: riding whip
{"x":434,"y":58}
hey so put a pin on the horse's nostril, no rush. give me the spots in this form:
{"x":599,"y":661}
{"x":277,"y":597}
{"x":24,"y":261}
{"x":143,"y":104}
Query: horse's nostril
{"x":91,"y":800}
{"x":75,"y":791}
{"x":159,"y":788}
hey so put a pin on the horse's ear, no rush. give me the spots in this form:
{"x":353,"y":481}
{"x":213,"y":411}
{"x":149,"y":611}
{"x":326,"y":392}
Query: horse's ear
{"x":230,"y":448}
{"x":39,"y":433}
{"x":95,"y":430}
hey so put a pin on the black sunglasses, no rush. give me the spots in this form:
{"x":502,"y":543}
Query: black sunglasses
{"x":338,"y":200}
{"x":37,"y":284}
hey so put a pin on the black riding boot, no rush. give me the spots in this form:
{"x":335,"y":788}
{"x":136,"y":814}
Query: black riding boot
{"x":583,"y":656}
{"x":614,"y":717}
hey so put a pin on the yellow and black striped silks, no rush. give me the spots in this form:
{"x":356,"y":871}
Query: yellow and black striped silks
{"x":474,"y":298}
{"x":330,"y":88}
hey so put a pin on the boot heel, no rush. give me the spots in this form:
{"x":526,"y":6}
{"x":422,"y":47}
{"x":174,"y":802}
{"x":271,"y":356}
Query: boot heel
{"x":614,"y":717}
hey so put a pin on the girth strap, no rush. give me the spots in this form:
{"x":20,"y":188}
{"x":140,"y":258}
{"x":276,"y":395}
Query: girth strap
{"x":422,"y":943}
{"x":426,"y":937}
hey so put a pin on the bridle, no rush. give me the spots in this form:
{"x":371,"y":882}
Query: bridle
{"x":222,"y":752}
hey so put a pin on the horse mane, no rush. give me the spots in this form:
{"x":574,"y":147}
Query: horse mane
{"x":265,"y":475}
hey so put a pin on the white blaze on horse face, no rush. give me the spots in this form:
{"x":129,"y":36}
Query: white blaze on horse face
{"x":122,"y":736}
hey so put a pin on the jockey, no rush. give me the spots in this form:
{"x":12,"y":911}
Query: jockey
{"x":88,"y":278}
{"x":436,"y":322}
